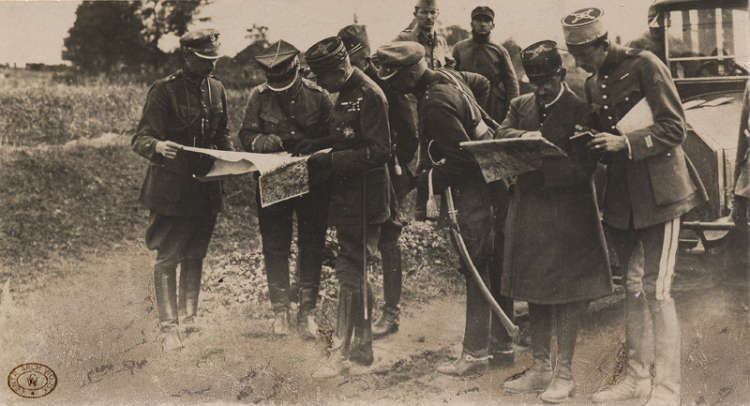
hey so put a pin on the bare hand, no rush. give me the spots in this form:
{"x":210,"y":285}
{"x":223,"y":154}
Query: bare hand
{"x":168,"y":149}
{"x":606,"y":143}
{"x":273,"y":144}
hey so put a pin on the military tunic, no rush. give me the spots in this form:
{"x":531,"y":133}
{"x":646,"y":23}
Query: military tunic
{"x":555,"y":210}
{"x":657,"y":183}
{"x":492,"y":61}
{"x":437,"y":52}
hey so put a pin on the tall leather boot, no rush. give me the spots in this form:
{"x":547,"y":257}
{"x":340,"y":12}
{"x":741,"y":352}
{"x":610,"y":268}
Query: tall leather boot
{"x":190,"y":287}
{"x":562,"y":387}
{"x":338,"y":362}
{"x":666,"y":390}
{"x":388,"y":321}
{"x":306,"y":325}
{"x":539,"y":376}
{"x":165,"y":287}
{"x":361,"y":350}
{"x":638,"y":333}
{"x":280,"y":304}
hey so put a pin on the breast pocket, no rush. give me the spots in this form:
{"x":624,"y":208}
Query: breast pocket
{"x":271,"y":122}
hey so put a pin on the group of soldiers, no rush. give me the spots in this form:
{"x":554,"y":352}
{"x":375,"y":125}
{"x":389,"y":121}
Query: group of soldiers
{"x":537,"y":238}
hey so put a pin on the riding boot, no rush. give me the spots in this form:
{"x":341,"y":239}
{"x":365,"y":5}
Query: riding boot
{"x":562,"y":387}
{"x":190,"y":287}
{"x":388,"y":322}
{"x":165,"y":287}
{"x":306,"y":325}
{"x":638,"y":332}
{"x":361,"y":349}
{"x":280,"y":305}
{"x":338,"y":362}
{"x":539,"y":376}
{"x":666,"y":391}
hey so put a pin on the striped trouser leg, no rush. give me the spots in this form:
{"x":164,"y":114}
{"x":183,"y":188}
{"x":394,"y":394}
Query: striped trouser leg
{"x":660,"y":244}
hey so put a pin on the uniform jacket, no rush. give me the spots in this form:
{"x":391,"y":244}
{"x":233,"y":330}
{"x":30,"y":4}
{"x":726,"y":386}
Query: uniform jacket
{"x":658,"y":183}
{"x":492,"y":61}
{"x":555,"y":250}
{"x":361,"y":142}
{"x":190,"y":112}
{"x":742,"y":164}
{"x":437,"y":52}
{"x":293,"y":115}
{"x":446,"y":120}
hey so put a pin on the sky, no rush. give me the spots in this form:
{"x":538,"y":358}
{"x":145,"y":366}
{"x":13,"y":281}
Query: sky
{"x":33,"y":31}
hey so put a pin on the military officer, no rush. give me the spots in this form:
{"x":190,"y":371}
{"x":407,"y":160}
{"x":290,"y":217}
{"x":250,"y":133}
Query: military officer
{"x":482,"y":55}
{"x":437,"y":52}
{"x":189,"y":108}
{"x":650,"y":185}
{"x":404,"y":144}
{"x":553,"y":209}
{"x":356,"y":171}
{"x":280,"y":113}
{"x":449,"y":115}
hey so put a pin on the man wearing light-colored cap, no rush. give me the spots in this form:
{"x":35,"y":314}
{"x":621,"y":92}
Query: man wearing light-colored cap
{"x":654,"y":40}
{"x":404,"y":146}
{"x":437,"y":52}
{"x":553,"y":209}
{"x":281,"y":113}
{"x":189,"y":108}
{"x":449,"y":113}
{"x":356,"y":171}
{"x":650,"y":185}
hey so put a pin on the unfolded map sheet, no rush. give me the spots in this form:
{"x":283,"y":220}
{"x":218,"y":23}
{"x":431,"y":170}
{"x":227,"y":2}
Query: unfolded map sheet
{"x":504,"y":158}
{"x":282,"y":176}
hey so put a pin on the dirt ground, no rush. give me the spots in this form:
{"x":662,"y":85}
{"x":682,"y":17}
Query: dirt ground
{"x":96,"y":328}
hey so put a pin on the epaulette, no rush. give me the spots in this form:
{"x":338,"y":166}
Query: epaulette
{"x":632,"y":52}
{"x":311,"y":85}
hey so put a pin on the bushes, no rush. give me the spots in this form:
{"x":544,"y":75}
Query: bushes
{"x":36,"y":110}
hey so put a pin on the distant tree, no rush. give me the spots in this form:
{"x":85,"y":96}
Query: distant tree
{"x":123,"y":36}
{"x":453,"y":34}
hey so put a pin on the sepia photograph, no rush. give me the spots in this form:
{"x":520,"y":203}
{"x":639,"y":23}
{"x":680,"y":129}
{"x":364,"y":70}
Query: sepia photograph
{"x":375,"y":202}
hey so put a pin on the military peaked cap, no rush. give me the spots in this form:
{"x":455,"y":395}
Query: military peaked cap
{"x":541,"y":61}
{"x":279,"y":61}
{"x":483,"y":10}
{"x":204,"y":42}
{"x":355,"y":38}
{"x":327,"y":54}
{"x":583,"y":27}
{"x":398,"y":55}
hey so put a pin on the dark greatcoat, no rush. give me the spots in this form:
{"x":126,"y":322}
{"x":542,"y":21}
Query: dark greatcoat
{"x":555,"y":250}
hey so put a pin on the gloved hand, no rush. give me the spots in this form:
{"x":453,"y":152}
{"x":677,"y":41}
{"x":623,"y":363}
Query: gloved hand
{"x":320,"y":168}
{"x":267,"y":143}
{"x":307,"y":147}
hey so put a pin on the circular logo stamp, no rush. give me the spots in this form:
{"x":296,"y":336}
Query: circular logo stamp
{"x":32,"y":380}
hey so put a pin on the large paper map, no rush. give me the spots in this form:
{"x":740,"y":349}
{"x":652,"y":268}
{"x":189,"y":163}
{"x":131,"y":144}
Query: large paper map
{"x":282,"y":176}
{"x":504,"y":158}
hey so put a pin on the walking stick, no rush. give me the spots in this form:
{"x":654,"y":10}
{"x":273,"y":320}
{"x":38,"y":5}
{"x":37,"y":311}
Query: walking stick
{"x":511,"y":328}
{"x":364,"y":246}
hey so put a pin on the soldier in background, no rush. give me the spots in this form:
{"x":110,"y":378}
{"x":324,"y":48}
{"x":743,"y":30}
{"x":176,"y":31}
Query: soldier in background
{"x":653,"y":41}
{"x":404,"y":145}
{"x":650,"y":185}
{"x":189,"y":108}
{"x":481,"y":55}
{"x":356,"y":171}
{"x":437,"y":52}
{"x":448,"y":115}
{"x":279,"y":114}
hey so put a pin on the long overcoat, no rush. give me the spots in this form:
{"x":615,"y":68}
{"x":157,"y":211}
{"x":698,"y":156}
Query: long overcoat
{"x":555,"y":250}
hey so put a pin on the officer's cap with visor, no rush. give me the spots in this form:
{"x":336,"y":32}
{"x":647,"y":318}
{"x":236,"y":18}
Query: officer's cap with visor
{"x":399,"y":55}
{"x":355,"y":39}
{"x":541,"y":61}
{"x":203,"y":42}
{"x":583,"y":28}
{"x":279,"y":61}
{"x":326,"y":55}
{"x":483,"y":11}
